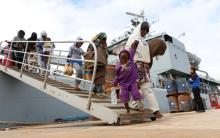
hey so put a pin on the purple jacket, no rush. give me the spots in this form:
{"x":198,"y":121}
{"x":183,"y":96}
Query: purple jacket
{"x":126,"y":77}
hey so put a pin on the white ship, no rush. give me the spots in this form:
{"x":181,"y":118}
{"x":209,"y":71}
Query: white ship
{"x":24,"y":99}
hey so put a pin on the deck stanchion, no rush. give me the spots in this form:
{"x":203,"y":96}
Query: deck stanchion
{"x":24,"y":56}
{"x":93,"y":76}
{"x":48,"y":66}
{"x":58,"y":62}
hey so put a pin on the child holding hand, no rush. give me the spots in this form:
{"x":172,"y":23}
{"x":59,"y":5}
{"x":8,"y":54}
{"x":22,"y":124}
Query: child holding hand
{"x":126,"y":76}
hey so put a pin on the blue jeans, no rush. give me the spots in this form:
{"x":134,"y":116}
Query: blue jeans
{"x":77,"y":65}
{"x":76,"y":61}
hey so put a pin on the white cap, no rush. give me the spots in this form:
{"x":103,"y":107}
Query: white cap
{"x":79,"y":38}
{"x":43,"y":33}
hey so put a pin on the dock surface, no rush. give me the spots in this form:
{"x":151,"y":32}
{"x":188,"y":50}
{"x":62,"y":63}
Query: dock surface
{"x":187,"y":124}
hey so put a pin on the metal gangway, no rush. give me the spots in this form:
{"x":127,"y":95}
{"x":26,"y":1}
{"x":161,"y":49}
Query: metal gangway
{"x":83,"y":100}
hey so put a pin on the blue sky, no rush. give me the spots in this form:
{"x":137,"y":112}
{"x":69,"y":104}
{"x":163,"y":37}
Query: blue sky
{"x":67,"y":19}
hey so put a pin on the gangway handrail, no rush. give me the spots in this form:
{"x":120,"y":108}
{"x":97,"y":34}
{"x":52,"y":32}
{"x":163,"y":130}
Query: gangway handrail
{"x":10,"y":50}
{"x":52,"y":72}
{"x":45,"y":69}
{"x":61,"y":57}
{"x":61,"y":50}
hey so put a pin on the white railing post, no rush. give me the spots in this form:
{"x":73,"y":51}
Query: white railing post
{"x":48,"y":66}
{"x":93,"y":76}
{"x":58,"y":62}
{"x":24,"y":56}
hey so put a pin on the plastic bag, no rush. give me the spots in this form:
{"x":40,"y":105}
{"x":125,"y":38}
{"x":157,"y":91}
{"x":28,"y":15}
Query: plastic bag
{"x":114,"y":99}
{"x":139,"y":104}
{"x":68,"y":70}
{"x":65,"y":70}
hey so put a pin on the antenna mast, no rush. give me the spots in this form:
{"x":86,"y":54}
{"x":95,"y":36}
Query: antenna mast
{"x":135,"y":21}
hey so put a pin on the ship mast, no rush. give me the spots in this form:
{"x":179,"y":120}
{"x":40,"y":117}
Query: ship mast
{"x":135,"y":21}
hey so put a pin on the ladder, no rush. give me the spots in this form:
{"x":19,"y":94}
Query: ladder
{"x":83,"y":100}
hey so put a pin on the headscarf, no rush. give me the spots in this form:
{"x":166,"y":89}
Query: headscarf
{"x":102,"y":52}
{"x":142,"y":52}
{"x":79,"y":38}
{"x":43,"y":33}
{"x":33,"y":37}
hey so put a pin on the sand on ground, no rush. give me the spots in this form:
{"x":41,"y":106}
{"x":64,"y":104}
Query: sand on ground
{"x":187,"y":124}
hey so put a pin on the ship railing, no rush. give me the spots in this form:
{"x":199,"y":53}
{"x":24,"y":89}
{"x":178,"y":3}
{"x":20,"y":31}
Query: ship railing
{"x":58,"y":57}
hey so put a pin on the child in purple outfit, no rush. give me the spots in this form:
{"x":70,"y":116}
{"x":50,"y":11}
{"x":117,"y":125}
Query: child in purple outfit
{"x":126,"y":76}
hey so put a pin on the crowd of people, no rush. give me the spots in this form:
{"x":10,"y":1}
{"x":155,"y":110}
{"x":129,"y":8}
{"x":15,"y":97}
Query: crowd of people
{"x":37,"y":51}
{"x":132,"y":70}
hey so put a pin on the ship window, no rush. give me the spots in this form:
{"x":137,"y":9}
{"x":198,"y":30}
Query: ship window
{"x":175,"y":56}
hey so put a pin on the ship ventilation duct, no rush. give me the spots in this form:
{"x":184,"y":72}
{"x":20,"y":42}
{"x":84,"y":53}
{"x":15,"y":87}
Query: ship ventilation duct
{"x":194,"y":60}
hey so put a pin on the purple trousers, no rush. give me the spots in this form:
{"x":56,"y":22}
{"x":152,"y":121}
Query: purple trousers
{"x":133,"y":89}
